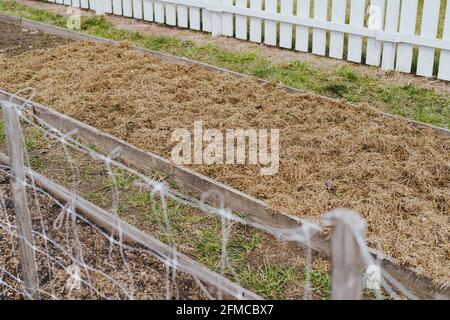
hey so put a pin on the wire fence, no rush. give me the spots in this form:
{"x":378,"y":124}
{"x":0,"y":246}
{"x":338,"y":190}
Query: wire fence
{"x":58,"y":241}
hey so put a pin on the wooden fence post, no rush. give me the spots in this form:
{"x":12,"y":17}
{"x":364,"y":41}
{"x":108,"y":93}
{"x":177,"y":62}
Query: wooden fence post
{"x":346,"y":283}
{"x":18,"y":189}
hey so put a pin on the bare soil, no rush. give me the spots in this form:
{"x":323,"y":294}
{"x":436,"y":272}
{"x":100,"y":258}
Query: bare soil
{"x":15,"y":40}
{"x":394,"y":174}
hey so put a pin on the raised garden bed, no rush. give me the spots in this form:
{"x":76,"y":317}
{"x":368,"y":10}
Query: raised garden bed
{"x":396,"y":175}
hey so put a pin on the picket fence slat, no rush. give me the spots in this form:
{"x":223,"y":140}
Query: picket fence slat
{"x":376,"y":19}
{"x":408,"y":22}
{"x":67,"y":2}
{"x":320,"y":35}
{"x":255,"y":23}
{"x":127,"y":8}
{"x":430,"y":21}
{"x":171,"y":14}
{"x":96,"y":5}
{"x":227,"y":20}
{"x":270,"y":27}
{"x":75,"y":3}
{"x":84,"y":4}
{"x":148,"y":10}
{"x":206,"y":19}
{"x":194,"y":18}
{"x":117,"y":7}
{"x":107,"y":6}
{"x":182,"y":16}
{"x":357,"y":8}
{"x":444,"y":62}
{"x":389,"y":48}
{"x":301,"y":32}
{"x":60,"y":1}
{"x":287,"y":8}
{"x":241,"y":21}
{"x":337,"y":38}
{"x":216,"y":20}
{"x":137,"y":9}
{"x":159,"y":12}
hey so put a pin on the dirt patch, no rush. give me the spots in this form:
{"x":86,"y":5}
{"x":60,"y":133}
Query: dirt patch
{"x":396,"y":175}
{"x":123,"y":273}
{"x":15,"y":40}
{"x":272,"y":250}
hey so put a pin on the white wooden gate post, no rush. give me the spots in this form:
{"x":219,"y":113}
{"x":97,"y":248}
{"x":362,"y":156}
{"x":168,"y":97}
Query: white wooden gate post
{"x":22,"y":213}
{"x":347,"y":271}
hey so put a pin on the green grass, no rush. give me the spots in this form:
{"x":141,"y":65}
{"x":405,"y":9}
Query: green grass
{"x":20,"y":10}
{"x":87,"y":172}
{"x":2,"y":132}
{"x":270,"y":281}
{"x":33,"y":139}
{"x":320,"y":283}
{"x":140,"y":199}
{"x":241,"y":243}
{"x":201,"y":237}
{"x":91,"y":196}
{"x":92,"y":147}
{"x":425,"y":105}
{"x":37,"y":163}
{"x":417,"y":103}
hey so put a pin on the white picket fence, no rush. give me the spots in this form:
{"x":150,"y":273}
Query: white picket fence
{"x":384,"y":31}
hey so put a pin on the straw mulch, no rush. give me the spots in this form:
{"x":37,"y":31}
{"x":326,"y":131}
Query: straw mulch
{"x":395,"y":175}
